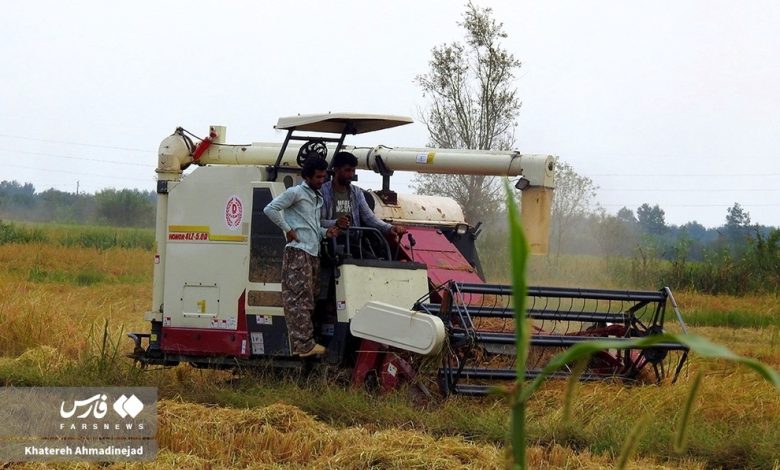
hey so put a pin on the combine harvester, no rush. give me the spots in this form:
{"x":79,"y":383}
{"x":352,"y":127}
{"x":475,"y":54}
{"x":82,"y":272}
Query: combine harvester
{"x":217,"y":275}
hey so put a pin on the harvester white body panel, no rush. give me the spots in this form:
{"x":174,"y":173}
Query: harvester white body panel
{"x":207,"y":246}
{"x":400,"y":328}
{"x":357,"y":285}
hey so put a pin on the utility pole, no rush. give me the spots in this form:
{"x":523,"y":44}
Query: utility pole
{"x":77,"y":187}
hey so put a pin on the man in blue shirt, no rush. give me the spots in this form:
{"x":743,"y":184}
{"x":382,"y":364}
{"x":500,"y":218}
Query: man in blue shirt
{"x":297,"y":212}
{"x":345,"y":205}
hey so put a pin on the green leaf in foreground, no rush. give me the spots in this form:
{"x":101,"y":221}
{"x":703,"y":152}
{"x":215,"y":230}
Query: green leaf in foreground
{"x":632,"y":442}
{"x":685,"y":419}
{"x":518,"y":247}
{"x":571,"y":386}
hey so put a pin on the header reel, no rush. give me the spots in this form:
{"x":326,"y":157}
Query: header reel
{"x":481,"y":330}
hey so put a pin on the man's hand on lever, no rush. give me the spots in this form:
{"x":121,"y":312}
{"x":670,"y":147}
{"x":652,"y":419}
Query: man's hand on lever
{"x":343,"y":222}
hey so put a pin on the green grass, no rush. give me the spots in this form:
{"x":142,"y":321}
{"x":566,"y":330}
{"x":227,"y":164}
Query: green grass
{"x":83,"y":277}
{"x":85,"y":236}
{"x":14,"y":233}
{"x":729,"y":319}
{"x":104,"y":238}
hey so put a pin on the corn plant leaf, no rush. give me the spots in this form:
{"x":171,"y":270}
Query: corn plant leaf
{"x":681,"y":438}
{"x":518,"y":247}
{"x":632,"y":442}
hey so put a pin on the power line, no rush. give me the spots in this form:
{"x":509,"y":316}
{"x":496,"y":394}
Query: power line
{"x":114,"y":162}
{"x":79,"y":173}
{"x":689,"y":190}
{"x":725,"y":204}
{"x":75,"y":143}
{"x":687,"y":175}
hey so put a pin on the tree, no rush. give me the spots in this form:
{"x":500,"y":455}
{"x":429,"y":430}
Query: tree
{"x":16,"y":196}
{"x":125,"y":208}
{"x":614,"y":235}
{"x":698,"y":236}
{"x":572,"y":198}
{"x":651,"y":219}
{"x":737,"y":217}
{"x":60,"y":206}
{"x":737,"y":225}
{"x":626,"y":215}
{"x":473,"y":103}
{"x":696,"y":230}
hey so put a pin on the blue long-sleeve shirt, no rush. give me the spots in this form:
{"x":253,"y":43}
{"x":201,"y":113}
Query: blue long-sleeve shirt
{"x":298,"y":209}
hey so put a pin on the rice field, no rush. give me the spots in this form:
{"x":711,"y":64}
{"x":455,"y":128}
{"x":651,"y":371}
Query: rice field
{"x":65,"y":308}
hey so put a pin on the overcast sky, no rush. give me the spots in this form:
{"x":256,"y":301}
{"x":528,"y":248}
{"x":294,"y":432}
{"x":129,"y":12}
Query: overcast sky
{"x":668,"y":102}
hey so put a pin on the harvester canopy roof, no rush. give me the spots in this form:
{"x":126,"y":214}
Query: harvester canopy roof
{"x":335,"y":122}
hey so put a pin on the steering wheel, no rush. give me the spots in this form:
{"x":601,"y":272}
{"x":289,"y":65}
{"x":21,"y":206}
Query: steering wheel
{"x":312,"y":147}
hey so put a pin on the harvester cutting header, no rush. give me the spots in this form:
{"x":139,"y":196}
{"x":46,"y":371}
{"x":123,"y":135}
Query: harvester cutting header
{"x":382,"y":304}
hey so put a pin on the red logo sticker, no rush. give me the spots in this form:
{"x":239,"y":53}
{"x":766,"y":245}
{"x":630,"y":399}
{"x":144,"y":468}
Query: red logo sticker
{"x":234,"y":212}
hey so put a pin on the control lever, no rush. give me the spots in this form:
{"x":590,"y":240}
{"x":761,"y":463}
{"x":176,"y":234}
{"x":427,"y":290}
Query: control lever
{"x":412,"y":242}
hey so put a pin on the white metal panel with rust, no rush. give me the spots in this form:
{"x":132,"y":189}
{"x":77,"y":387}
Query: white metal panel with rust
{"x":416,"y":208}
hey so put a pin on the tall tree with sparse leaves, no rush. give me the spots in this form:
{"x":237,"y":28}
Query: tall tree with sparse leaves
{"x":472,"y":103}
{"x":737,"y":217}
{"x":737,"y":228}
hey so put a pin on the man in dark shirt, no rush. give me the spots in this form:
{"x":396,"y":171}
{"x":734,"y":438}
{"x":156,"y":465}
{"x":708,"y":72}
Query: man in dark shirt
{"x":344,"y":205}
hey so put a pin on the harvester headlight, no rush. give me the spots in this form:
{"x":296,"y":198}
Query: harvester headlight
{"x":461,"y":229}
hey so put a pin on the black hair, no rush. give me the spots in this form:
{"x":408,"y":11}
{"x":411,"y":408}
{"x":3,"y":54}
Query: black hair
{"x":312,"y":164}
{"x":342,"y":159}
